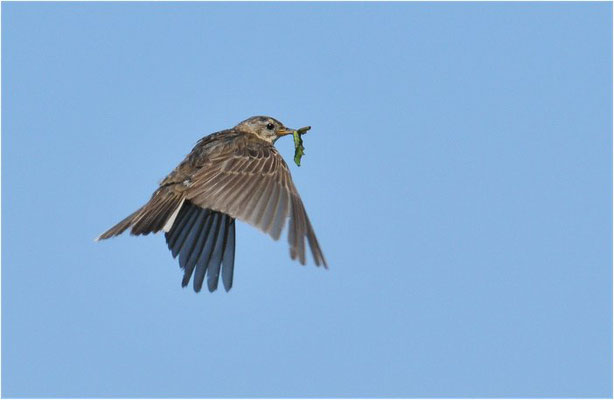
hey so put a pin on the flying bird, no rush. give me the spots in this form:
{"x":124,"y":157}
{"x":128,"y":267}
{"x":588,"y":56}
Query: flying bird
{"x":232,"y":174}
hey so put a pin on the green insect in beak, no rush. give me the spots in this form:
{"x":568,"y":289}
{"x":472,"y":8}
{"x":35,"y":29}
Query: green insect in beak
{"x":299,"y":150}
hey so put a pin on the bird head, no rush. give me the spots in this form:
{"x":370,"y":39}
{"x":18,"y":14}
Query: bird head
{"x":266,"y":128}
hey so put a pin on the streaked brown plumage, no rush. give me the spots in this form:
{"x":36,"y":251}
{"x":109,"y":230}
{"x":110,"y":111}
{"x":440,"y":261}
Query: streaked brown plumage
{"x":231,"y":174}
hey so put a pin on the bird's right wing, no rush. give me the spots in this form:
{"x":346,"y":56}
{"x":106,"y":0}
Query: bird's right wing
{"x":251,"y":182}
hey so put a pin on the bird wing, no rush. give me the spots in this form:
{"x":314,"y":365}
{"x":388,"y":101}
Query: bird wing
{"x":204,"y":240}
{"x":250,"y":181}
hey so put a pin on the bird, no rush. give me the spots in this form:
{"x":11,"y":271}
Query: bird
{"x":232,"y":174}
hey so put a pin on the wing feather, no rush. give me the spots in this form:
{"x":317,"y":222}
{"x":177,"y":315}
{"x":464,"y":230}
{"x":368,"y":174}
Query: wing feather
{"x":200,"y":242}
{"x":259,"y":203}
{"x":183,"y":234}
{"x":271,"y":208}
{"x":248,"y":180}
{"x":213,"y":268}
{"x":228,"y":260}
{"x":190,"y":241}
{"x":180,"y":221}
{"x":205,"y":254}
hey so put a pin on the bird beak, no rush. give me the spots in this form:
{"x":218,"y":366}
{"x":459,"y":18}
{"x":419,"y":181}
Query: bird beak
{"x":285,"y":131}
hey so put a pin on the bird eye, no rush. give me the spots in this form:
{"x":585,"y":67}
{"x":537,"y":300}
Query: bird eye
{"x":270,"y":126}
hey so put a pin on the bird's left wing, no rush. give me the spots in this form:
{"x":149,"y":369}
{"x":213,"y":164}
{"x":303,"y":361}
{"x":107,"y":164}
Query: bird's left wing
{"x":250,"y":181}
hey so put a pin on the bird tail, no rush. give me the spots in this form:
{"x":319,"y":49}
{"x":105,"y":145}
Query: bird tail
{"x":158,"y":214}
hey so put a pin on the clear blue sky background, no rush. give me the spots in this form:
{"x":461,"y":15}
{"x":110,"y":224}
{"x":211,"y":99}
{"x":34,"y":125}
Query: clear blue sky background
{"x":458,"y":176}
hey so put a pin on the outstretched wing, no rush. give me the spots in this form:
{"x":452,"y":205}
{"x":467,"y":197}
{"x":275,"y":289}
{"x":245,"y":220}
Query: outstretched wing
{"x":251,"y":182}
{"x":204,"y":240}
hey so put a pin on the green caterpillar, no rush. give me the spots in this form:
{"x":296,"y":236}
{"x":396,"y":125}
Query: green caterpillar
{"x":299,"y":150}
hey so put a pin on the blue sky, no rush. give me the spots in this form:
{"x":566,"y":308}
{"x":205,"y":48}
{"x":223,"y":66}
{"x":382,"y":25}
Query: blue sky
{"x":458,"y":176}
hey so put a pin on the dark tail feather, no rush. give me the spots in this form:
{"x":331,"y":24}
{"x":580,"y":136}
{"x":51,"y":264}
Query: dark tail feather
{"x":120,"y":227}
{"x":148,"y":219}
